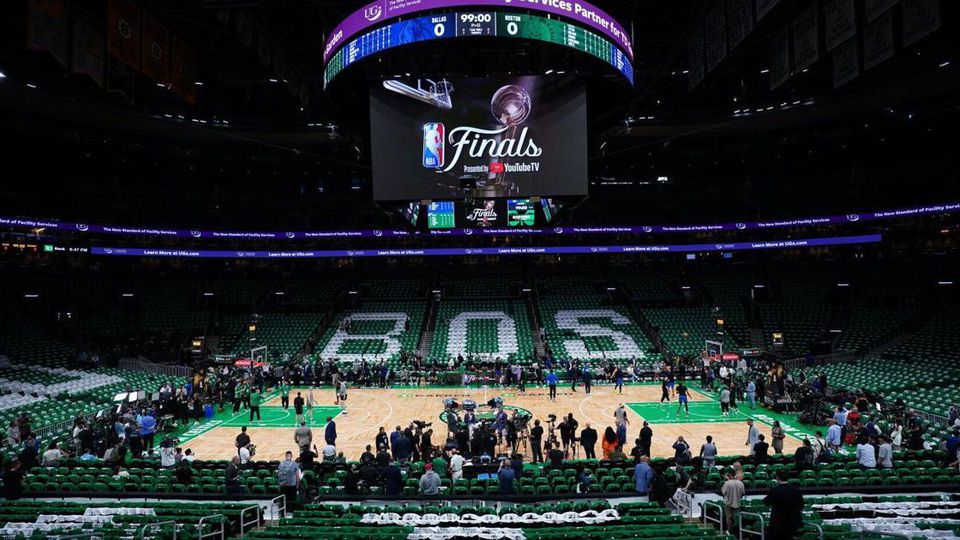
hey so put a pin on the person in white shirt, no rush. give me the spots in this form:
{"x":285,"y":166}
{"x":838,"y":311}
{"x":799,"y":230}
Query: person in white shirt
{"x":329,"y":452}
{"x":168,"y":456}
{"x":896,"y":436}
{"x":51,"y":458}
{"x":189,"y":455}
{"x":866,"y":454}
{"x":244,"y":454}
{"x":456,"y":466}
{"x":885,"y":454}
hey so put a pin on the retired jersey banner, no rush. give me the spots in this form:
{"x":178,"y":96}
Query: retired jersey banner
{"x":739,"y":21}
{"x":878,"y":41}
{"x":47,"y":28}
{"x":88,"y":48}
{"x":920,"y":19}
{"x":123,"y":32}
{"x":806,"y":49}
{"x":183,"y":71}
{"x":155,"y":62}
{"x":839,"y":21}
{"x":846,"y":63}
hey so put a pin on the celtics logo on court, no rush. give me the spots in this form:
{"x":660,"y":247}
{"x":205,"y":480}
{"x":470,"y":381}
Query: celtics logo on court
{"x":486,"y":413}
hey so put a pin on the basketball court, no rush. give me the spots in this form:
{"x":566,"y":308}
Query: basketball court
{"x":369,"y":409}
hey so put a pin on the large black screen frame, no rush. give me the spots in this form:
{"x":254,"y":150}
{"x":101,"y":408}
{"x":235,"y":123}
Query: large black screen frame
{"x":535,"y":145}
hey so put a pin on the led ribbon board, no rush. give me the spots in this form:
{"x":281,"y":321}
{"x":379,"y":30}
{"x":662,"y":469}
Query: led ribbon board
{"x":455,"y":252}
{"x":54,"y":225}
{"x":378,"y":11}
{"x":466,"y":24}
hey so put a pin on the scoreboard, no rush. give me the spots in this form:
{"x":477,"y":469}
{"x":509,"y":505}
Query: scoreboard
{"x":478,"y":24}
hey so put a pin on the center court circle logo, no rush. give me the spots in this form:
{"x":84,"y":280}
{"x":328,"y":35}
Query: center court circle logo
{"x":488,"y":413}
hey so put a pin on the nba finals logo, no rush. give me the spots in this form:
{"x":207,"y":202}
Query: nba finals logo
{"x":433,"y":135}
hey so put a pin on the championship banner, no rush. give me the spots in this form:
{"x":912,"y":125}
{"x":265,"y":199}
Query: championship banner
{"x":695,"y":60}
{"x":878,"y":41}
{"x":806,"y":48}
{"x":47,"y":28}
{"x":846,"y":65}
{"x":123,"y":32}
{"x":739,"y":21}
{"x":156,"y":50}
{"x":715,"y":35}
{"x":839,"y":21}
{"x":87,"y":57}
{"x":183,"y":71}
{"x":780,"y":59}
{"x":764,"y":7}
{"x":875,"y":8}
{"x":920,"y":18}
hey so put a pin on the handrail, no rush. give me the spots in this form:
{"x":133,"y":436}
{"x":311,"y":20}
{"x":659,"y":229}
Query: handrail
{"x":281,"y":506}
{"x":214,"y":533}
{"x":243,"y":524}
{"x":815,"y":526}
{"x":721,"y":521}
{"x":883,"y":534}
{"x":763,"y":528}
{"x":143,"y":530}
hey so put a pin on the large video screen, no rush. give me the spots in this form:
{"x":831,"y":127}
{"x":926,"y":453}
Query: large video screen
{"x":492,"y":137}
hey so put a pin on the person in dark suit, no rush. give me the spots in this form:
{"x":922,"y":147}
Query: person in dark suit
{"x":330,"y":433}
{"x":392,"y":480}
{"x":646,"y":438}
{"x":536,"y":441}
{"x":786,"y":508}
{"x":588,"y":438}
{"x":760,"y":451}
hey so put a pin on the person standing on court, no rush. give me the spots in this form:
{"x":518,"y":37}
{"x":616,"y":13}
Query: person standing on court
{"x":753,"y":435}
{"x":298,"y":403}
{"x":285,"y":394}
{"x":620,"y":417}
{"x":536,"y":444}
{"x":552,"y":380}
{"x":303,"y":436}
{"x":646,"y":438}
{"x":574,"y":375}
{"x":786,"y":508}
{"x":588,"y":438}
{"x":778,"y":436}
{"x":725,"y":401}
{"x":330,"y":432}
{"x":682,"y":398}
{"x":256,"y":397}
{"x":664,"y":390}
{"x":587,"y":378}
{"x":752,"y":394}
{"x":342,"y":395}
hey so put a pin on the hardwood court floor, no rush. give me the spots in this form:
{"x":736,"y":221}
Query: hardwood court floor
{"x":368,"y":409}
